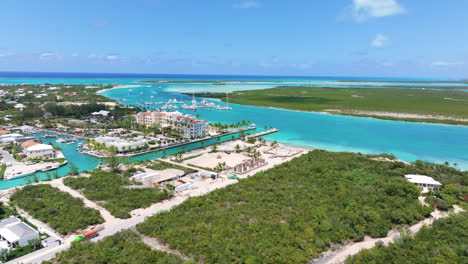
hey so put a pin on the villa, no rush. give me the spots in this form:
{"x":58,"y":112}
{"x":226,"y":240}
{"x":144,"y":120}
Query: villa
{"x":16,"y":233}
{"x":40,"y":151}
{"x":426,"y":182}
{"x":189,"y":125}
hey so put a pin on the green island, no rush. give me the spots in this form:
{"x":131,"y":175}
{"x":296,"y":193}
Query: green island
{"x":447,"y":106}
{"x":60,"y":210}
{"x":292,"y":213}
{"x":115,"y":193}
{"x":444,"y":243}
{"x":121,"y":248}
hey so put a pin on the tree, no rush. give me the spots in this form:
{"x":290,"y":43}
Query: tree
{"x":214,"y":148}
{"x":48,"y":175}
{"x":73,"y":169}
{"x":113,"y":161}
{"x":237,"y":148}
{"x":35,"y":242}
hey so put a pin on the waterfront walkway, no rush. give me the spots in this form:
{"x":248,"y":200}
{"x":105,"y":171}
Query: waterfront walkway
{"x":264,"y":133}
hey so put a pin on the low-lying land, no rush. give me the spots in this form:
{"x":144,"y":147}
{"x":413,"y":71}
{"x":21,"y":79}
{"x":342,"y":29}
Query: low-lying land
{"x":109,"y":191}
{"x":445,"y":242}
{"x":292,"y":213}
{"x":123,"y":247}
{"x":60,"y":210}
{"x":396,"y":104}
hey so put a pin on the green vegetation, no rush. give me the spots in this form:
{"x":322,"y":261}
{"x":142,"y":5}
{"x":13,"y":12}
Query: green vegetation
{"x":449,"y":103}
{"x":109,"y":190}
{"x":445,"y":243}
{"x":2,"y":170}
{"x":162,"y":165}
{"x":121,"y":248}
{"x":293,"y":212}
{"x":5,"y":211}
{"x":73,"y":110}
{"x":60,"y":210}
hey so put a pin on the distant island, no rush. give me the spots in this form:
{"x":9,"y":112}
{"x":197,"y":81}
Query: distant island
{"x":417,"y":105}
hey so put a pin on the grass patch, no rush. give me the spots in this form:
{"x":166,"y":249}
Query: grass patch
{"x":108,"y":190}
{"x":60,"y":210}
{"x":292,"y":213}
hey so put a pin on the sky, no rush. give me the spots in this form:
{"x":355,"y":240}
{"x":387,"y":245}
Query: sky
{"x":379,"y":38}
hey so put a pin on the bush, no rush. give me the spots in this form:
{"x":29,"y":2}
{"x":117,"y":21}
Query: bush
{"x":291,"y":213}
{"x":60,"y":210}
{"x":108,"y":190}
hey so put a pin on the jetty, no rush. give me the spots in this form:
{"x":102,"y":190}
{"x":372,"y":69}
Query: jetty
{"x":263,"y":133}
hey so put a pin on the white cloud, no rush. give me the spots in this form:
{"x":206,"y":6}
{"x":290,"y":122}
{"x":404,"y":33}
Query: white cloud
{"x":246,"y":4}
{"x":445,"y":63}
{"x":112,"y":57}
{"x":379,"y":41}
{"x":362,"y":10}
{"x":75,"y":55}
{"x":47,"y":55}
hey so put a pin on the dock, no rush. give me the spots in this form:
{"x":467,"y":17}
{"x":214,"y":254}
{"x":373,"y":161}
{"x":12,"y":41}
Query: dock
{"x":267,"y":132}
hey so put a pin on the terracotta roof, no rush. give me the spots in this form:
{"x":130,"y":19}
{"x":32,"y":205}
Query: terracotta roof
{"x":29,"y":144}
{"x":5,"y":132}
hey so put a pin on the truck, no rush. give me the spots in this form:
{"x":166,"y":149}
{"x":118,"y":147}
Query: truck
{"x":87,"y":235}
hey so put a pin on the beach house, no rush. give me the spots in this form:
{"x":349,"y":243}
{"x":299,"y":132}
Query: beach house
{"x":423,"y":181}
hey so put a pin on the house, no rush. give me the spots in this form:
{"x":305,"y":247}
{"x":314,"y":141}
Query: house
{"x":145,"y":177}
{"x":426,"y":182}
{"x":20,"y":106}
{"x":9,"y":138}
{"x":16,"y":233}
{"x":40,"y":151}
{"x":3,"y":132}
{"x":100,"y":113}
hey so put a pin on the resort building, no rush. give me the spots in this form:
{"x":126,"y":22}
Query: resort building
{"x":426,"y":182}
{"x":189,"y":125}
{"x":16,"y":233}
{"x":40,"y":151}
{"x":121,"y":144}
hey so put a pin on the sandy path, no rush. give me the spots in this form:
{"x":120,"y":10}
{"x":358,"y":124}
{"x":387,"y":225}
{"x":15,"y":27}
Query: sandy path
{"x":108,"y":218}
{"x":158,"y":245}
{"x":341,"y":254}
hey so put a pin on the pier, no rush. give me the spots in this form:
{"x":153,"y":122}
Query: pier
{"x":267,"y":132}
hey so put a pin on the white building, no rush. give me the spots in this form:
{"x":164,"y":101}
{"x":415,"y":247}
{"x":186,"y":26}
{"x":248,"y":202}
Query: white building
{"x":20,"y":106}
{"x":121,"y":144}
{"x":16,"y":232}
{"x":189,"y":125}
{"x":426,"y":182}
{"x":40,"y":151}
{"x":145,"y":177}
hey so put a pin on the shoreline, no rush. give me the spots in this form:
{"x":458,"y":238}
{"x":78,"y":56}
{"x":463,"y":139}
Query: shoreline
{"x":116,"y":87}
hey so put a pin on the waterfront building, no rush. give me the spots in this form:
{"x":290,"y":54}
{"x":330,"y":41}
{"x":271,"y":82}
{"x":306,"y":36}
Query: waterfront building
{"x":6,"y":139}
{"x":16,"y":233}
{"x":40,"y":151}
{"x":188,"y":125}
{"x":121,"y":144}
{"x":423,"y":181}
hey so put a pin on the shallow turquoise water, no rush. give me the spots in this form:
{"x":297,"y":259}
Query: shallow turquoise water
{"x":408,"y":141}
{"x":85,"y":162}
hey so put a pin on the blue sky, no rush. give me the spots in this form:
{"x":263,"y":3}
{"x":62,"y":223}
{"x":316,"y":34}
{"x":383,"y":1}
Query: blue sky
{"x":388,"y":38}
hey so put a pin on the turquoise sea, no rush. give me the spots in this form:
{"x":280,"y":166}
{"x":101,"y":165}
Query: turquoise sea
{"x":408,"y":141}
